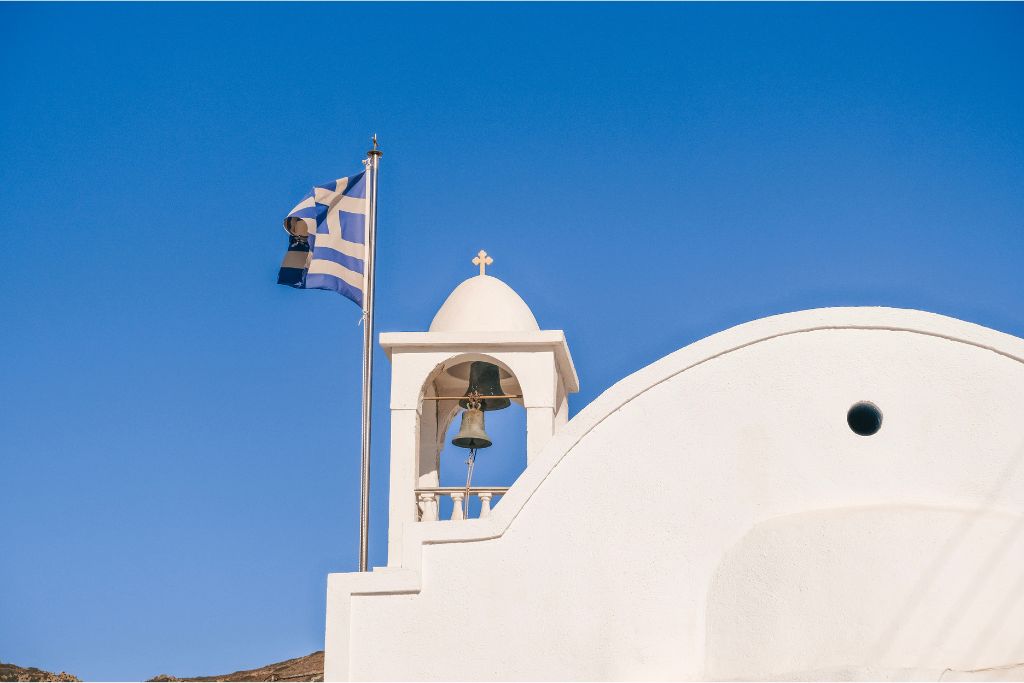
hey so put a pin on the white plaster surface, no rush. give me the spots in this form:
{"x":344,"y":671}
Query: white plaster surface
{"x":484,"y":304}
{"x":712,"y":516}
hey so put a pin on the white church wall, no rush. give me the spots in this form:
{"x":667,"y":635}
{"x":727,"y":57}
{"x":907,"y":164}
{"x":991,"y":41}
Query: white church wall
{"x":714,"y":516}
{"x":936,"y":589}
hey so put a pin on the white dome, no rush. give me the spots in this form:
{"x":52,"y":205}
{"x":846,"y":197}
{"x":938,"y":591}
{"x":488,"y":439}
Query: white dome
{"x":484,"y":304}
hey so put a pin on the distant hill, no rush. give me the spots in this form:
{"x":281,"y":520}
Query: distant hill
{"x":12,"y":672}
{"x":308,"y":668}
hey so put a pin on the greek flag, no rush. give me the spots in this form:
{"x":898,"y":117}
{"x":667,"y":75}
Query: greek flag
{"x":327,"y":239}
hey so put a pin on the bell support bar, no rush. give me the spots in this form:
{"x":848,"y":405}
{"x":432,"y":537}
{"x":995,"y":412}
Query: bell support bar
{"x":463,"y":398}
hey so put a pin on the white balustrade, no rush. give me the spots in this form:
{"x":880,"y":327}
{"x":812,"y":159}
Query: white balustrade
{"x":427,"y":506}
{"x":428,"y":500}
{"x":457,"y":497}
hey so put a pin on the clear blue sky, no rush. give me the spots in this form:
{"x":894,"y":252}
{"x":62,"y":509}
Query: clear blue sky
{"x":175,"y":488}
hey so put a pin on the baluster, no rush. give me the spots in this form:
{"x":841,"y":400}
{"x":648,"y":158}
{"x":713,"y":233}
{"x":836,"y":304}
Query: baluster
{"x":428,"y":507}
{"x":485,"y":503}
{"x":457,"y":497}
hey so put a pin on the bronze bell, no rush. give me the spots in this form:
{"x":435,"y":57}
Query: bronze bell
{"x":485,"y":381}
{"x":471,"y":432}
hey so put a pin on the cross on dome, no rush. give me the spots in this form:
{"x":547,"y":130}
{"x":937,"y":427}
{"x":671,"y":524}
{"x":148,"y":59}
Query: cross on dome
{"x":482,"y":260}
{"x":483,"y":303}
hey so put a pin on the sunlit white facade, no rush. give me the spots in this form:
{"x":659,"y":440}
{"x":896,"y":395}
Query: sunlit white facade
{"x":712,"y":516}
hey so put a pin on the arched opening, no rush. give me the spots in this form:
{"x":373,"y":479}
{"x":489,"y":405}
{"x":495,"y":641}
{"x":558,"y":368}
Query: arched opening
{"x":443,"y":466}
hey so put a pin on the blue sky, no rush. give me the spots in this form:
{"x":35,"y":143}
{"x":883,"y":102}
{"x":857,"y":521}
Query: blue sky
{"x":176,"y":488}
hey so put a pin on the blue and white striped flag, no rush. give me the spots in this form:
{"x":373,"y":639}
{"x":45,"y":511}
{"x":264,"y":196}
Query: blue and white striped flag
{"x":327,"y":239}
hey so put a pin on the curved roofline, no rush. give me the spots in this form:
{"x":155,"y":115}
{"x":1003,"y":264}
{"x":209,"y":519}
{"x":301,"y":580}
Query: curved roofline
{"x":484,"y":303}
{"x":625,"y":390}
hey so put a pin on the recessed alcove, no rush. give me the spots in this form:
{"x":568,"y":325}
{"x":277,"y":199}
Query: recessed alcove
{"x":443,"y":465}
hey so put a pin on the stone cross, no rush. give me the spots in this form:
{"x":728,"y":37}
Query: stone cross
{"x":482,"y":260}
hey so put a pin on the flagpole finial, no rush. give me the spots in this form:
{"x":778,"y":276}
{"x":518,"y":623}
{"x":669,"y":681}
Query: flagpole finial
{"x":376,"y":149}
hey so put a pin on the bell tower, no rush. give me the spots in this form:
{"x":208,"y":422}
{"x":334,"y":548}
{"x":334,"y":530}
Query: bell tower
{"x":483,"y":340}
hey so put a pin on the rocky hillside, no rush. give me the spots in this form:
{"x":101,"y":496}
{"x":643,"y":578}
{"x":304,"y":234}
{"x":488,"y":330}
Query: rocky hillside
{"x":12,"y":672}
{"x":308,"y":668}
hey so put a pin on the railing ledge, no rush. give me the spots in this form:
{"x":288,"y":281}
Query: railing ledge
{"x":428,"y":504}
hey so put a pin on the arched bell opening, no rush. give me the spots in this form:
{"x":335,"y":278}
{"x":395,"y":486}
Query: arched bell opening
{"x":497,"y":429}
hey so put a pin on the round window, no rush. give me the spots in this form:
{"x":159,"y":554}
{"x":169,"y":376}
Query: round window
{"x":864,"y":418}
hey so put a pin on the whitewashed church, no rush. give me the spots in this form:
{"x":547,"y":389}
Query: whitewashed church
{"x":828,"y":494}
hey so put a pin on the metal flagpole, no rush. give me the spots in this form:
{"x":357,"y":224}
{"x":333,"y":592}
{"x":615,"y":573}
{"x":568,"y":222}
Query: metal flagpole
{"x":372,"y":163}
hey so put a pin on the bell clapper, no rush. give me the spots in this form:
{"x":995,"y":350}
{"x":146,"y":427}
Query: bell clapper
{"x":469,"y":478}
{"x":473,"y":403}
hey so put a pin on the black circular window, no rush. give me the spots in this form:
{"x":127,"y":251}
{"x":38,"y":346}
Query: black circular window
{"x":864,"y":418}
